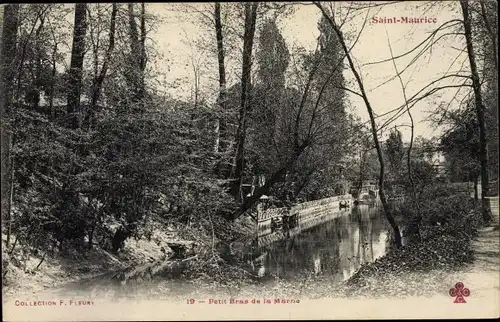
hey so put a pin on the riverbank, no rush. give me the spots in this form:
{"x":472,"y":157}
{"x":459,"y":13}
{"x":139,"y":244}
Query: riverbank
{"x":28,"y":271}
{"x":426,"y":268}
{"x":461,"y":251}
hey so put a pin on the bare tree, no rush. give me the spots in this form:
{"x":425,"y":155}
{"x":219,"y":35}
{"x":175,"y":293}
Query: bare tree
{"x":413,"y":229}
{"x":220,"y":125}
{"x":98,"y":81}
{"x":248,"y":38}
{"x":387,"y":211}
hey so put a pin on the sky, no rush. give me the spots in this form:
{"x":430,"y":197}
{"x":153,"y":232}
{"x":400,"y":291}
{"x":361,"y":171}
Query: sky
{"x":177,"y":30}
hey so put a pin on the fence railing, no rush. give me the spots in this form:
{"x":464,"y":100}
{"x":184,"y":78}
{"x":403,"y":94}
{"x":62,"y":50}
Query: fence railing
{"x":305,"y":209}
{"x":271,"y":213}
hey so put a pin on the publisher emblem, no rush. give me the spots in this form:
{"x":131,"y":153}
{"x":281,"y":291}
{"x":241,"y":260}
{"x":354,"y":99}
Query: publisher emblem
{"x":460,"y":292}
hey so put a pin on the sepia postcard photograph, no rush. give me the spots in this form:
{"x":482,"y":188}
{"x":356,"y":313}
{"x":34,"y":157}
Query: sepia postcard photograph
{"x":183,"y":161}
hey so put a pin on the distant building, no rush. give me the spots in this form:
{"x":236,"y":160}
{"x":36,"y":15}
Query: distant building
{"x":437,"y":160}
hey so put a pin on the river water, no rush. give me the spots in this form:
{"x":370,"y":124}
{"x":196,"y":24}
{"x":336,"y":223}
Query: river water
{"x":335,"y":244}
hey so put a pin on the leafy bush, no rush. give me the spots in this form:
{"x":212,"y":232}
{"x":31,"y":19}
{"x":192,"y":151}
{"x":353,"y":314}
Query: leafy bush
{"x":131,"y":166}
{"x":438,"y":205}
{"x":444,"y":246}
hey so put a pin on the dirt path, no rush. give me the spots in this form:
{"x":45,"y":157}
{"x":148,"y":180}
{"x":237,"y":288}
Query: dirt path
{"x":483,"y":276}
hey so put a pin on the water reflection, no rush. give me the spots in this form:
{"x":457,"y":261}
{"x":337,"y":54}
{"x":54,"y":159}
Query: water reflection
{"x":334,"y":244}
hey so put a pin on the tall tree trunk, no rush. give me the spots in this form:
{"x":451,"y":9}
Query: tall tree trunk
{"x":489,"y":18}
{"x":34,"y":94}
{"x":476,"y":86}
{"x":143,"y":38}
{"x":53,"y":82}
{"x":134,"y":34}
{"x":143,"y":59}
{"x":76,"y":68}
{"x":239,"y":161}
{"x":96,"y":92}
{"x":383,"y":198}
{"x":491,"y":33}
{"x":299,"y":146}
{"x":11,"y":197}
{"x":7,"y":70}
{"x":220,"y":127}
{"x":476,"y":194}
{"x":138,"y":52}
{"x":9,"y":50}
